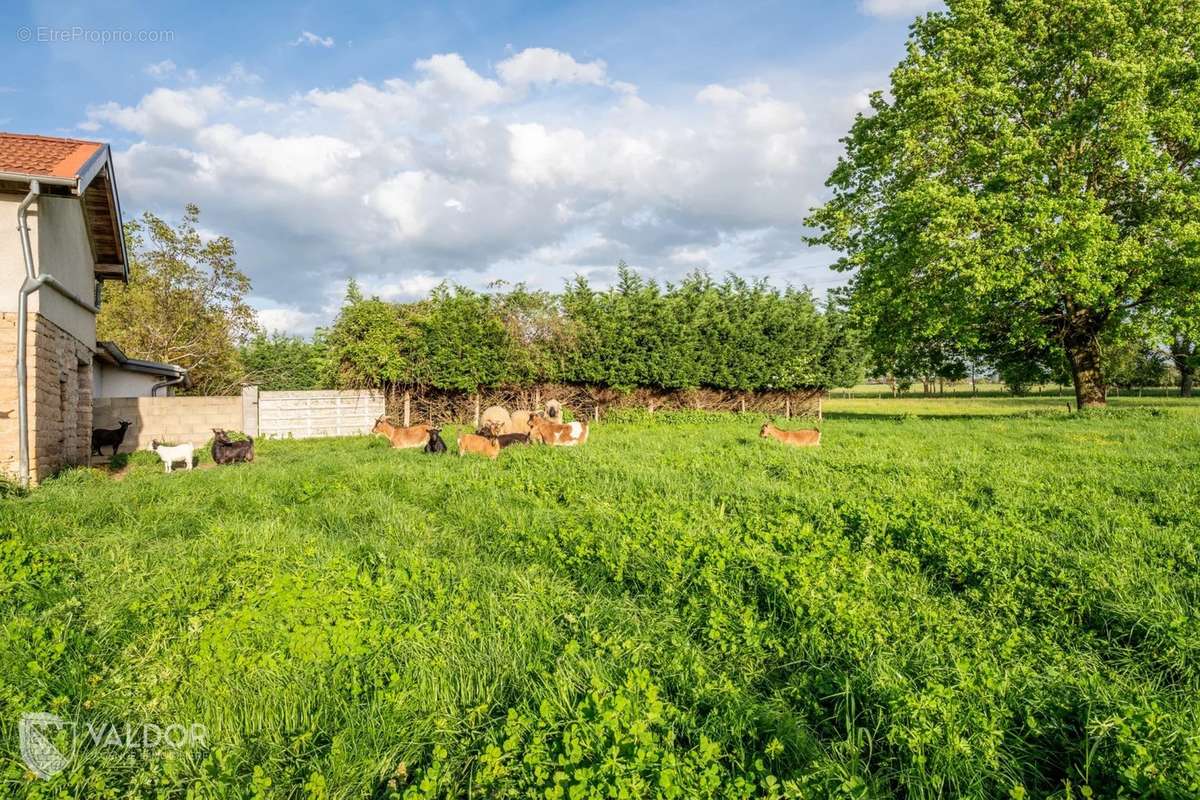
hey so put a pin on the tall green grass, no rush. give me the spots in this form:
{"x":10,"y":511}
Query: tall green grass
{"x":941,"y":606}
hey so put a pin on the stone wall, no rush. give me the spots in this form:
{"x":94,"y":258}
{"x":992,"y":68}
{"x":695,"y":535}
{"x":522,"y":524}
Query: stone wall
{"x":60,"y":397}
{"x":168,"y":419}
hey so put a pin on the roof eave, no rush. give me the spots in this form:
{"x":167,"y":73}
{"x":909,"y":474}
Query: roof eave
{"x":78,"y":185}
{"x":118,"y":357}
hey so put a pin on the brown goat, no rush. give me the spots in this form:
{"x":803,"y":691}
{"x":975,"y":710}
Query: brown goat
{"x":492,"y":430}
{"x":546,"y":432}
{"x":811,"y":438}
{"x":487,"y":446}
{"x":402,"y":438}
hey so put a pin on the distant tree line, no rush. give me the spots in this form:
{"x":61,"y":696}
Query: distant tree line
{"x":185,"y":304}
{"x":699,"y":333}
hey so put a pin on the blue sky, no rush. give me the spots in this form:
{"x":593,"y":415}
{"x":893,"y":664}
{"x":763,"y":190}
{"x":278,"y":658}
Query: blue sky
{"x":407,"y":143}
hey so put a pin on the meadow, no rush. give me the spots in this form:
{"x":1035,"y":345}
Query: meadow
{"x":974,"y":597}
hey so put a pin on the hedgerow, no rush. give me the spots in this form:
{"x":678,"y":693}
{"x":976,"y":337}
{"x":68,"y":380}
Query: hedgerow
{"x":699,"y":333}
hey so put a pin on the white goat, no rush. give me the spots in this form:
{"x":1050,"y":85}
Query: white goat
{"x":173,"y":453}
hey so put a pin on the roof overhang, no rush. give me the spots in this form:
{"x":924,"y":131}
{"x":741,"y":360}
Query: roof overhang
{"x":89,"y":175}
{"x":110,"y":353}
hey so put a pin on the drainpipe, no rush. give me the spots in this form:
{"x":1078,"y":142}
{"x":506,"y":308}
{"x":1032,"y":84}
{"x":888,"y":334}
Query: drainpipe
{"x":33,"y":283}
{"x":22,"y":317}
{"x":163,"y":384}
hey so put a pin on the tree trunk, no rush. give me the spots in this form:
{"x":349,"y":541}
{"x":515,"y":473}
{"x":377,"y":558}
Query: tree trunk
{"x":407,"y":403}
{"x":1083,"y":351}
{"x":1183,"y":351}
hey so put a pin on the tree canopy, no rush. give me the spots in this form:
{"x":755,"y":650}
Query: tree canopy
{"x":1032,"y":181}
{"x":184,"y":303}
{"x":700,"y":333}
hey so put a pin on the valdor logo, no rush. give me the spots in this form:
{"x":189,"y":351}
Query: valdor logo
{"x":41,"y":754}
{"x":44,"y":757}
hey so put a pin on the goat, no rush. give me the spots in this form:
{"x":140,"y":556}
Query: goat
{"x":227,"y":451}
{"x":510,"y":439}
{"x":544,"y":431}
{"x":810,"y":438}
{"x":435,"y":443}
{"x":112,"y":437}
{"x":491,"y":430}
{"x":402,"y":438}
{"x":488,"y":446}
{"x":172,"y":453}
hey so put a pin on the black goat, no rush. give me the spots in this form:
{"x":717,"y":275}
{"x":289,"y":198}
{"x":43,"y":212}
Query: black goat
{"x":509,"y":439}
{"x":109,"y":437}
{"x":435,"y":443}
{"x":227,"y":451}
{"x":491,"y":430}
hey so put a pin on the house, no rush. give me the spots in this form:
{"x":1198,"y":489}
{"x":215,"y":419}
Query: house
{"x":60,"y":237}
{"x":114,"y":374}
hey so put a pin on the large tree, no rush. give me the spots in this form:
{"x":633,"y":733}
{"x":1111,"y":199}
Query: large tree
{"x":184,"y":303}
{"x":1035,"y":170}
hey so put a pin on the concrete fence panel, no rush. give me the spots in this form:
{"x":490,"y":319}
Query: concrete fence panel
{"x":303,"y":415}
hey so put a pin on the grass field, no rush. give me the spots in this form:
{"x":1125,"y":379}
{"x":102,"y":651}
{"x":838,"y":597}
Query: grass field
{"x":979,"y":598}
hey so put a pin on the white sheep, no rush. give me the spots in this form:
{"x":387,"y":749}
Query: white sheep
{"x":171,"y":454}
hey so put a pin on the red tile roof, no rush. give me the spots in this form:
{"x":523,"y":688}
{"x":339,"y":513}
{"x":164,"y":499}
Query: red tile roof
{"x":44,"y":156}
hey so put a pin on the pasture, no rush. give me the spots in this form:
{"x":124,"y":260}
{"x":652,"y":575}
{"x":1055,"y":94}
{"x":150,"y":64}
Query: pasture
{"x":970,"y":597}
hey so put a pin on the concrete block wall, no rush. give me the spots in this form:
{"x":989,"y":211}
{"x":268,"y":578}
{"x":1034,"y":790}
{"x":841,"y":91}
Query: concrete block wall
{"x":168,"y":419}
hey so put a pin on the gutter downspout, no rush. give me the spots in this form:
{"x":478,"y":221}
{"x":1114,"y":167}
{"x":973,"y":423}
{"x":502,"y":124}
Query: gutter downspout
{"x":35,"y":188}
{"x":33,"y":283}
{"x":163,"y":384}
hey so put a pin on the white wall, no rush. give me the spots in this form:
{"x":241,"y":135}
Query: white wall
{"x":110,"y":381}
{"x":59,"y":241}
{"x":64,"y":252}
{"x":304,"y":415}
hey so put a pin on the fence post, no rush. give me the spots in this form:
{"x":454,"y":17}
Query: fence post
{"x":787,"y":406}
{"x":250,"y":410}
{"x":407,"y":399}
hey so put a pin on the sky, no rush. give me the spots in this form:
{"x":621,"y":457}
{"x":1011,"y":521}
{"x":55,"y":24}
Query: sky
{"x":403,"y":144}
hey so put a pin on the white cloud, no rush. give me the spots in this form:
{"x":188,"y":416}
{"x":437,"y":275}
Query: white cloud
{"x":453,"y":174}
{"x":290,"y":320}
{"x":542,"y":65}
{"x":239,"y":74}
{"x":897,"y":8}
{"x":161,"y":112}
{"x":448,"y":76}
{"x":160,"y":69}
{"x":310,"y":39}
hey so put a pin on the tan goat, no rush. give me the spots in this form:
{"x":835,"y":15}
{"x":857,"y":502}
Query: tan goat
{"x":487,"y":446}
{"x":811,"y":438}
{"x":402,"y":438}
